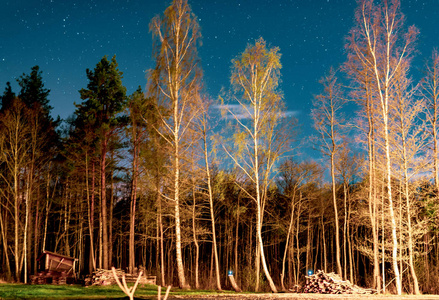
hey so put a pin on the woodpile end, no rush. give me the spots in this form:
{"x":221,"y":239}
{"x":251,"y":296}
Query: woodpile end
{"x":105,"y":277}
{"x":331,"y":283}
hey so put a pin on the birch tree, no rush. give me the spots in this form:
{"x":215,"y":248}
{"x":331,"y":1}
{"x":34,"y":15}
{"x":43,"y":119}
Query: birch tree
{"x":328,"y":123}
{"x":362,"y":93}
{"x":381,"y":46}
{"x":430,"y":92}
{"x":14,"y":148}
{"x":175,"y":83}
{"x":259,"y":139}
{"x":410,"y":142}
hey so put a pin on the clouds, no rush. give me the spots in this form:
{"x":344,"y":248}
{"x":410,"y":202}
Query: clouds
{"x":238,"y":112}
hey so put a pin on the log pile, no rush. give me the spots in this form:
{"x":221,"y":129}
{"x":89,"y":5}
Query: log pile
{"x":52,"y":277}
{"x":331,"y":283}
{"x":105,"y":277}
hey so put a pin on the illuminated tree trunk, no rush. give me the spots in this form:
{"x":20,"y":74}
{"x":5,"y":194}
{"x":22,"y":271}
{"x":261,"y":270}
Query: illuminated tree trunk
{"x":104,"y":216}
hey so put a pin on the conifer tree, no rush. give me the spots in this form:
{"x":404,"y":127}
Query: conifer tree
{"x":104,"y":101}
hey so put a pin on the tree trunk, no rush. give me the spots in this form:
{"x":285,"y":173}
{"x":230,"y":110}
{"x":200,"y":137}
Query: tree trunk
{"x":131,"y":256}
{"x":290,"y":228}
{"x":90,"y":204}
{"x":3,"y":228}
{"x":16,"y":221}
{"x":336,"y":221}
{"x":325,"y":267}
{"x":194,"y":231}
{"x":296,"y":280}
{"x":409,"y":221}
{"x":212,"y":213}
{"x":104,"y":254}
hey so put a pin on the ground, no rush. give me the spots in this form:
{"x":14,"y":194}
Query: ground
{"x":295,"y":296}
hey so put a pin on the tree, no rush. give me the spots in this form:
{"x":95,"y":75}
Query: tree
{"x":260,"y":138}
{"x":32,"y":90}
{"x":137,"y":134}
{"x":362,"y":94}
{"x":104,"y":101}
{"x":204,"y":128}
{"x":430,"y":92}
{"x":410,"y":140}
{"x":328,"y":123}
{"x":294,"y":177}
{"x":175,"y":83}
{"x":30,"y":114}
{"x":380,"y":46}
{"x":7,"y":98}
{"x":348,"y":167}
{"x":14,"y":149}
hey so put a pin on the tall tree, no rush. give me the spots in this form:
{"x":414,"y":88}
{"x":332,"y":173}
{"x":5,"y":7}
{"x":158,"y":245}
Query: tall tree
{"x":362,"y":93}
{"x":175,"y":83}
{"x":104,"y":101}
{"x":259,"y":140}
{"x":14,"y":149}
{"x":136,"y":133}
{"x":430,"y":92}
{"x":410,"y":139}
{"x":31,"y":112}
{"x":204,"y":129}
{"x":328,"y":123}
{"x":381,"y":46}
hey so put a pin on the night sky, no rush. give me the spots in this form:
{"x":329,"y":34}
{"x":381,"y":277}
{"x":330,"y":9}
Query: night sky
{"x":64,"y":37}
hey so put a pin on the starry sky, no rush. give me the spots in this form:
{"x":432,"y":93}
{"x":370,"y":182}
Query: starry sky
{"x":65,"y":37}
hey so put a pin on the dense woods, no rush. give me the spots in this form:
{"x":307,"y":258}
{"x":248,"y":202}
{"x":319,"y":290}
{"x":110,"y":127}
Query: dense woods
{"x":187,"y":188}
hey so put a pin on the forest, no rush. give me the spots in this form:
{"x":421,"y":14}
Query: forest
{"x":190,"y":186}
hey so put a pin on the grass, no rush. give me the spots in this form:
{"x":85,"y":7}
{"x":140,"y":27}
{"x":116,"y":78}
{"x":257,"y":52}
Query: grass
{"x":60,"y":292}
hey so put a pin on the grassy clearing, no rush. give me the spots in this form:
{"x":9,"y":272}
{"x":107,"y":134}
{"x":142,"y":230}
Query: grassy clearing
{"x":59,"y":292}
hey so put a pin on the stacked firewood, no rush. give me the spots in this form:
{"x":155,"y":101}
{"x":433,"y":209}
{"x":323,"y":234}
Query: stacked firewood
{"x":51,"y":277}
{"x":105,"y":277}
{"x":331,"y":283}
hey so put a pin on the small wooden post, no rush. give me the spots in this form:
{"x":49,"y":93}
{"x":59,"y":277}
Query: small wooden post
{"x":233,"y":282}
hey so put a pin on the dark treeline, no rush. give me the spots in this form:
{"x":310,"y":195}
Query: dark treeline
{"x":188,"y":189}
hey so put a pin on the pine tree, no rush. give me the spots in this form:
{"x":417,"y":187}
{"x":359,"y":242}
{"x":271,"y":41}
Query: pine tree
{"x":104,"y":101}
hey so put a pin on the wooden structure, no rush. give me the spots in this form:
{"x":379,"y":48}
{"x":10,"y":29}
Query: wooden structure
{"x":55,"y":268}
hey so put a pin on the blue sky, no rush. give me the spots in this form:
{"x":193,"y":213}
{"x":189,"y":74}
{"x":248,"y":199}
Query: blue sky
{"x":66,"y":37}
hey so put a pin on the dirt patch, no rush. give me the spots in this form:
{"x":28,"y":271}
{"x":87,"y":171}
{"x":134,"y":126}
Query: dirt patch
{"x":294,"y":296}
